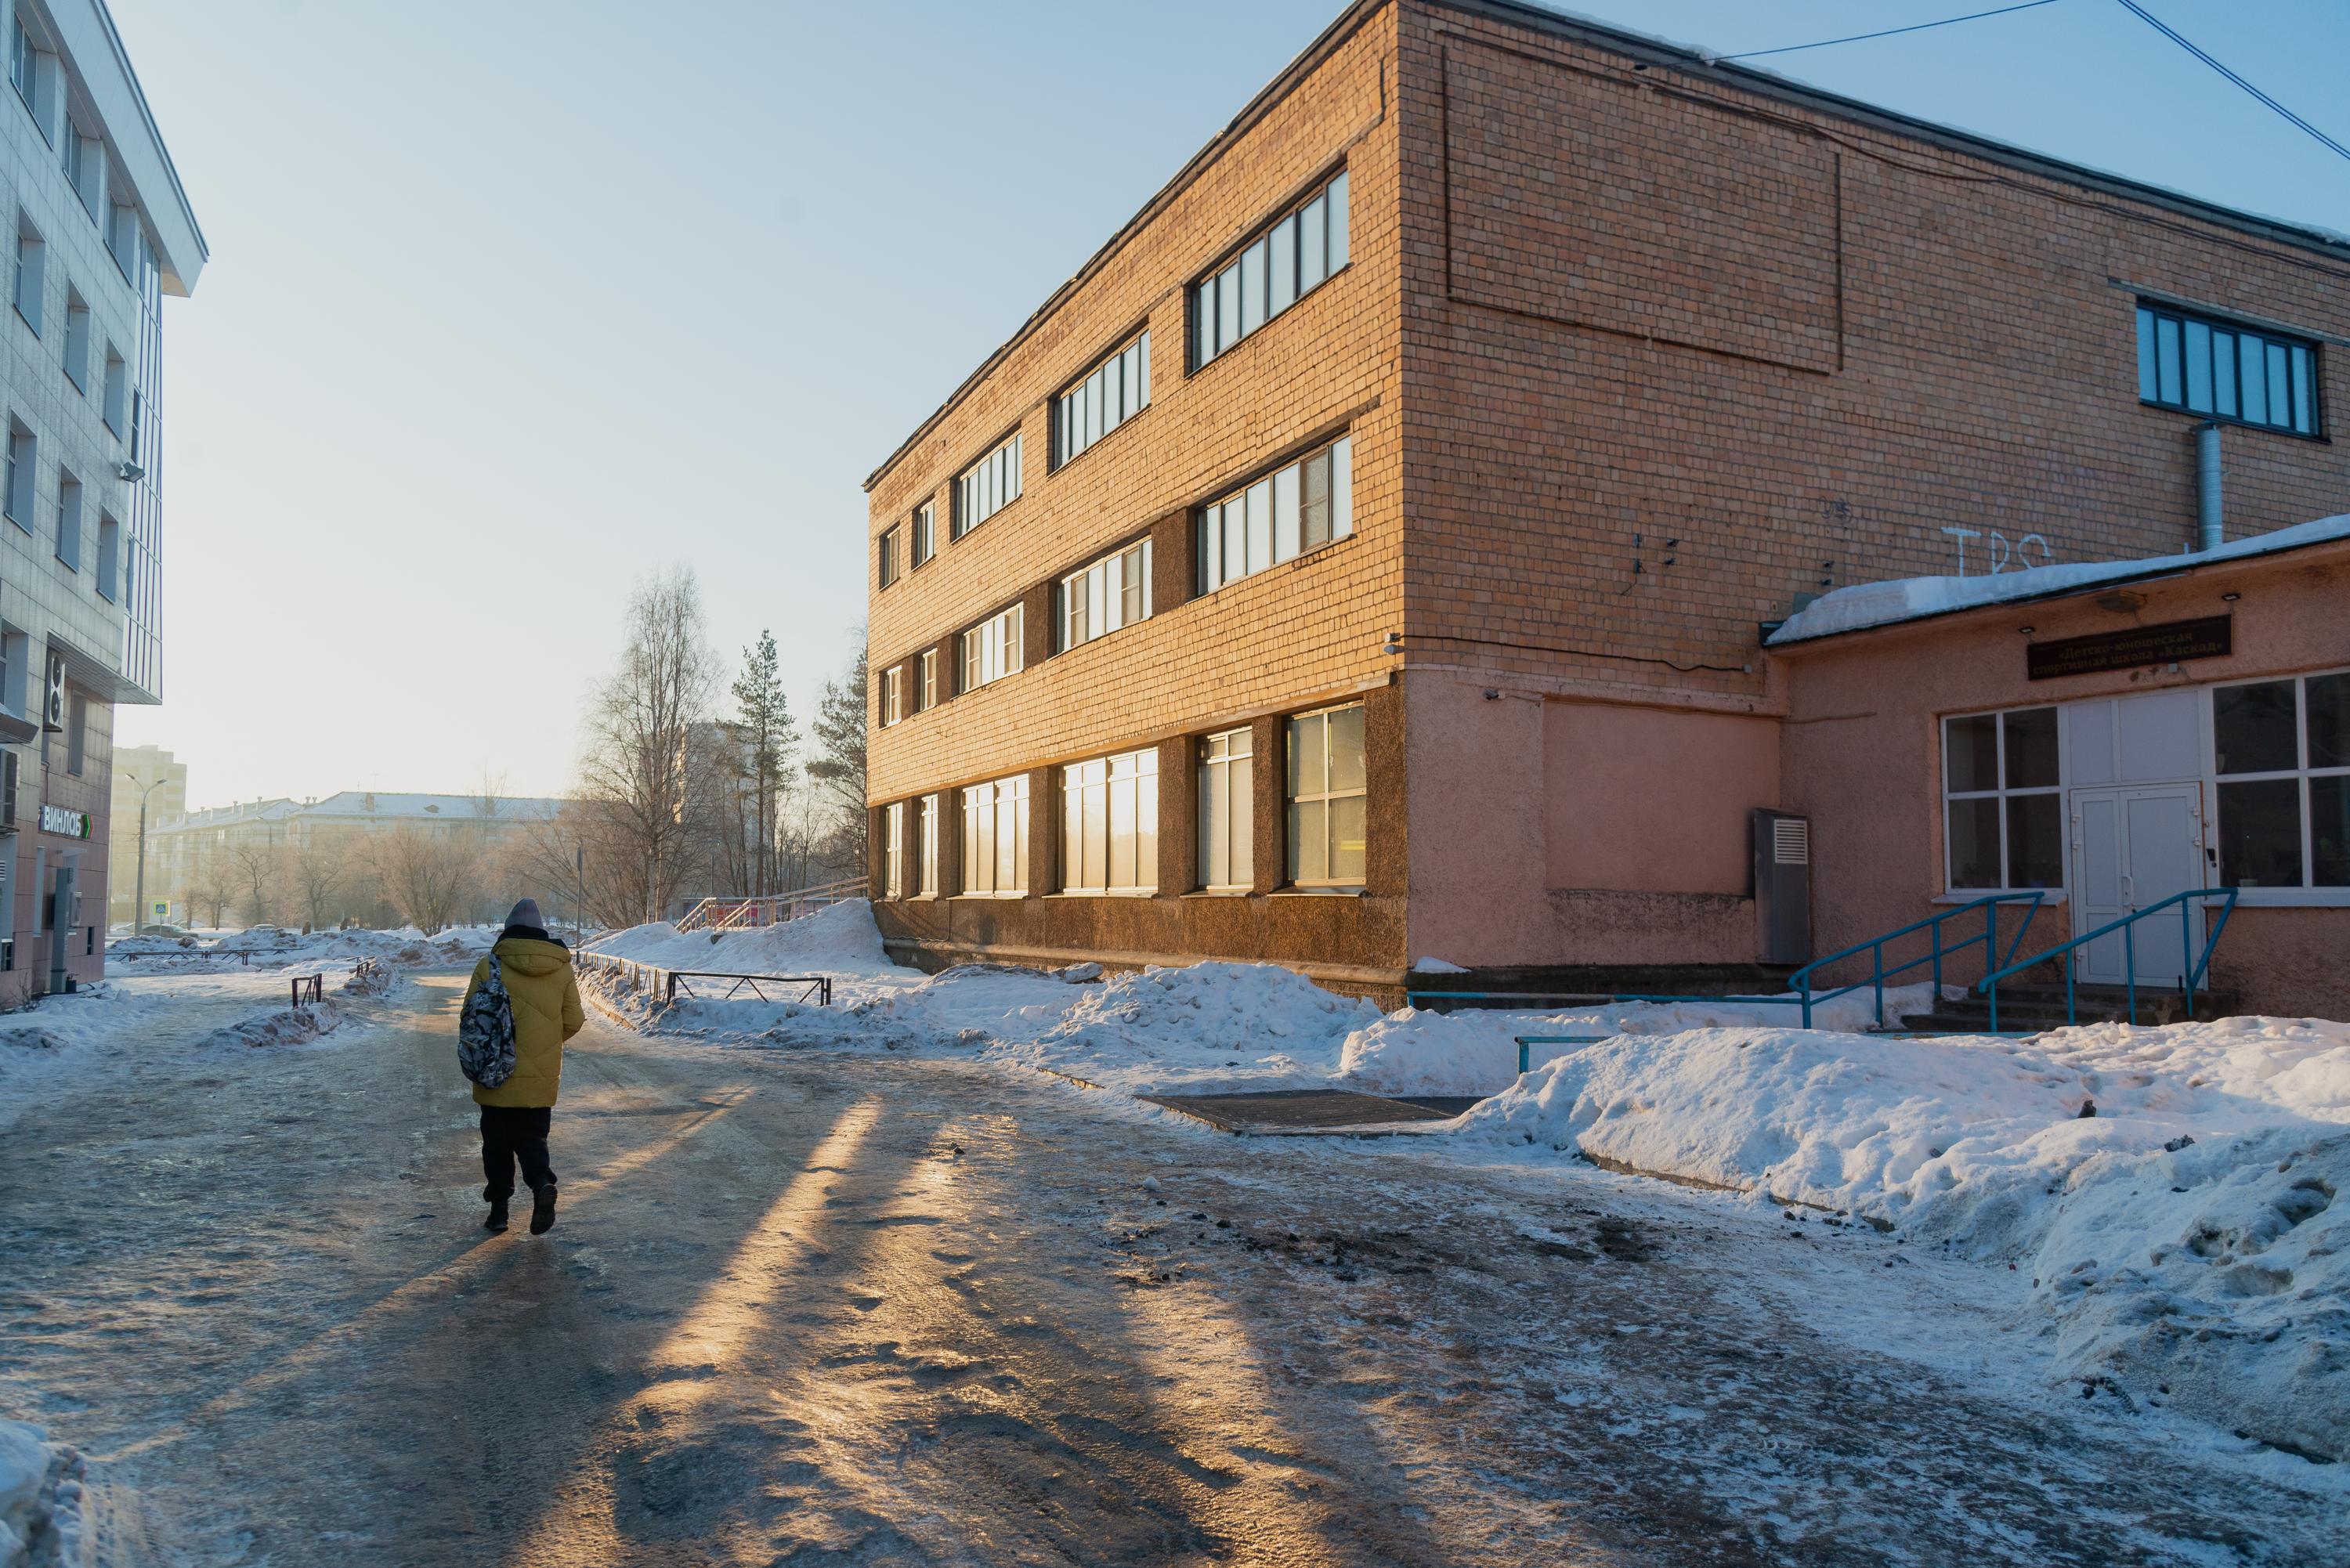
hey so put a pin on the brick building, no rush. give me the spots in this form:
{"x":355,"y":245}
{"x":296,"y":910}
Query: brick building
{"x":1366,"y":554}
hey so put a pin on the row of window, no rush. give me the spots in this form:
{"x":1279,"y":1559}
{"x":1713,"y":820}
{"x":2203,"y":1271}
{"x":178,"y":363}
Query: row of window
{"x":34,"y":73}
{"x":2280,"y":776}
{"x":2201,"y":365}
{"x":27,"y":291}
{"x":1297,"y":508}
{"x":1111,"y":821}
{"x":1301,"y":249}
{"x":18,"y":467}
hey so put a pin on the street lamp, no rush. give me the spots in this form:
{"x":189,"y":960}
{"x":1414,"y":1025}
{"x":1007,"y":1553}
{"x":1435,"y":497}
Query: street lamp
{"x":139,"y":911}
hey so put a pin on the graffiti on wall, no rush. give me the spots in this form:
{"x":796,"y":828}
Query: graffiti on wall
{"x":1998,"y":553}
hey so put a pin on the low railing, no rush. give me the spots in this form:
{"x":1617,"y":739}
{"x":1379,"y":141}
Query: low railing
{"x":309,"y":988}
{"x":750,"y":912}
{"x":2191,"y":967}
{"x":670,"y":983}
{"x":1524,"y":1041}
{"x":1799,"y":984}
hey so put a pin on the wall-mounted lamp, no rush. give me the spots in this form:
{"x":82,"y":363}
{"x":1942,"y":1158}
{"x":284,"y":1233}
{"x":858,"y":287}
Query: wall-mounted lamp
{"x":2231,"y":598}
{"x":2025,"y":630}
{"x":1492,"y":695}
{"x":1394,"y":643}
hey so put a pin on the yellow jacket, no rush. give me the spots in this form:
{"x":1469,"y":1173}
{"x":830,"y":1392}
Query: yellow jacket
{"x":547,"y":1013}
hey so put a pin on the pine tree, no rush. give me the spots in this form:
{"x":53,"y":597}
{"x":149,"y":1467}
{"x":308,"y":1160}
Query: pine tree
{"x":841,"y":732}
{"x":767,"y":740}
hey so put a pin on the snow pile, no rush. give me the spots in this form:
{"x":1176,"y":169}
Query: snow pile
{"x":41,"y":1496}
{"x":371,"y":977}
{"x":1476,"y":1052}
{"x":839,"y":939}
{"x":2171,"y":1190}
{"x":269,"y":946}
{"x":287,"y":1026}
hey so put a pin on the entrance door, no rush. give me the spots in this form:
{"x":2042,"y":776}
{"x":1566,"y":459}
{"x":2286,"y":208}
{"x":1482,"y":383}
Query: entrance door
{"x":2133,"y":848}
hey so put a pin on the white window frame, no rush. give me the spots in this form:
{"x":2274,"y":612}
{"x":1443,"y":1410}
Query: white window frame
{"x":888,"y":568}
{"x":2003,"y":793}
{"x":923,"y":535}
{"x":2311,"y":893}
{"x":926,"y":847}
{"x":987,"y":486}
{"x":1114,"y":388}
{"x":1240,"y":297}
{"x":1270,"y":519}
{"x":925,"y":684}
{"x":1105,"y":595}
{"x":994,"y":812}
{"x":1099,"y":798}
{"x":1227,"y":777}
{"x":1325,"y":795}
{"x":992,"y":650}
{"x":893,"y":850}
{"x":893,"y":696}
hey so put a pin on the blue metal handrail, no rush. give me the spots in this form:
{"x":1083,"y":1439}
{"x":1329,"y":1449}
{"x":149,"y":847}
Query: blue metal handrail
{"x":1801,"y":981}
{"x":2190,"y":968}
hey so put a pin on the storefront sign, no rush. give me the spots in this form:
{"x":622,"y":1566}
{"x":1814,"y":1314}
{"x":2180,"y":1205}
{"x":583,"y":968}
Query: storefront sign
{"x":2212,"y":637}
{"x":57,"y":819}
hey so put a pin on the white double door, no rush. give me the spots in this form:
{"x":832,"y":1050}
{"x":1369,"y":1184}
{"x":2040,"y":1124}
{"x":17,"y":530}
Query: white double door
{"x":2132,"y":849}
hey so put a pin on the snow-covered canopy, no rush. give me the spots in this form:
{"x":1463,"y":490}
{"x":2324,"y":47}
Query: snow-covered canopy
{"x":1913,"y":598}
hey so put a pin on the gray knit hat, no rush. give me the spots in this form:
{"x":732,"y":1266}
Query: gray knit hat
{"x":526,"y":914}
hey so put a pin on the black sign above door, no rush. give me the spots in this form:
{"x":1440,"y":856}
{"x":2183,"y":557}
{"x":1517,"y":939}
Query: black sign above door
{"x":2211,"y":636}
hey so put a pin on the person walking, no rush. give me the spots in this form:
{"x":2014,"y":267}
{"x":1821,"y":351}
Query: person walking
{"x":535,"y":969}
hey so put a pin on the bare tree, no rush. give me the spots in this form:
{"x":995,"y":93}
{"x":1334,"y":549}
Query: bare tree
{"x":841,"y":722}
{"x":256,"y":870}
{"x":209,"y":889}
{"x":317,"y":874}
{"x":430,"y":879}
{"x":639,"y":757}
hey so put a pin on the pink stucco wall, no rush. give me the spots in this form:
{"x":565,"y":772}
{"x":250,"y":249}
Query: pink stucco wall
{"x":1653,"y":799}
{"x":1861,"y":748}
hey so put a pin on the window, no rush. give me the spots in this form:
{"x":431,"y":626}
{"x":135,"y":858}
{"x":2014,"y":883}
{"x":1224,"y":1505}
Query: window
{"x":1109,"y":825}
{"x":1283,"y":265}
{"x":893,"y":850}
{"x":16,"y":661}
{"x":2003,"y":815}
{"x":893,"y":695}
{"x":1227,"y":821}
{"x":16,"y":481}
{"x":1108,"y":395}
{"x":987,"y":487}
{"x":81,"y":161}
{"x":77,"y":734}
{"x":76,"y":341}
{"x":110,"y":555}
{"x":32,"y":265}
{"x":926,"y":840}
{"x":122,"y":240}
{"x":24,"y":66}
{"x":995,"y":838}
{"x":2280,"y":750}
{"x":926,"y":688}
{"x":925,"y":530}
{"x":70,"y":521}
{"x":887,"y":549}
{"x":114,"y":404}
{"x":1298,"y":508}
{"x":1326,"y":834}
{"x":2208,"y":366}
{"x":991,"y":650}
{"x":1113,"y":592}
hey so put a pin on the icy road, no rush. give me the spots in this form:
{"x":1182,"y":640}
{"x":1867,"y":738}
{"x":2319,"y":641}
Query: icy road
{"x":810,"y":1309}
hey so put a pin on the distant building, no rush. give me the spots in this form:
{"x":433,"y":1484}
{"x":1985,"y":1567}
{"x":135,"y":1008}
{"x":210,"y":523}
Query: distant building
{"x":102,"y":232}
{"x":203,"y":853}
{"x":147,"y":774}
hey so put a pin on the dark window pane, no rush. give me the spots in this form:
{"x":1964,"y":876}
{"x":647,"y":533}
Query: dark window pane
{"x":2253,"y":382}
{"x":2145,"y":383}
{"x":1974,"y":842}
{"x":1971,"y":754}
{"x":2327,"y":701}
{"x":2165,"y":338}
{"x":2031,"y":752}
{"x":2260,"y":834}
{"x":2329,"y":831}
{"x":2035,"y":841}
{"x":2252,"y":728}
{"x":2223,"y":372}
{"x":2199,"y":367}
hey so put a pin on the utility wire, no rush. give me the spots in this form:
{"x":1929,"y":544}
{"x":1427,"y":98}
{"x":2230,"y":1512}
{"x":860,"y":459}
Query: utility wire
{"x":2151,"y":20}
{"x":1919,"y":27}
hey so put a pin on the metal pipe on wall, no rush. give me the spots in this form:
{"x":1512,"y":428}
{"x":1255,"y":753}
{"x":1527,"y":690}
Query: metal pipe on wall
{"x":2207,"y":525}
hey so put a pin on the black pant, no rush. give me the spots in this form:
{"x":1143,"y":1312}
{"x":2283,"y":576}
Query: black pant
{"x":511,"y":1133}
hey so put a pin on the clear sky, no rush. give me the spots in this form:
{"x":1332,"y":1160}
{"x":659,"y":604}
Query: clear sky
{"x":510,"y":303}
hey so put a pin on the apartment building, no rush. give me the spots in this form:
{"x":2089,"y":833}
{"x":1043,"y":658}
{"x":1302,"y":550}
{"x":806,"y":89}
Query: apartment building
{"x":101,"y":231}
{"x":1368,"y":555}
{"x":150,"y":788}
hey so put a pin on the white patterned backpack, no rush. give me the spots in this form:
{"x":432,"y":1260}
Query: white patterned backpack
{"x":485,"y":1030}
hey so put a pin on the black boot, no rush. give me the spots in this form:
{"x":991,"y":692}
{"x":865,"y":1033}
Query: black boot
{"x":542,"y":1210}
{"x":497,"y":1219}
